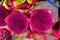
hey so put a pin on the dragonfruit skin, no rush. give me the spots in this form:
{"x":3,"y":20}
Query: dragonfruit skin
{"x":32,"y":33}
{"x":56,"y":29}
{"x":31,"y":1}
{"x":24,"y":5}
{"x":17,"y":22}
{"x":3,"y":15}
{"x":11,"y":6}
{"x":7,"y":34}
{"x":40,"y":20}
{"x":34,"y":1}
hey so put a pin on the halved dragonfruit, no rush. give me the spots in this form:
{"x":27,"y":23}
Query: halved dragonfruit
{"x":17,"y":22}
{"x":56,"y":29}
{"x":4,"y":34}
{"x":41,"y":20}
{"x":3,"y":15}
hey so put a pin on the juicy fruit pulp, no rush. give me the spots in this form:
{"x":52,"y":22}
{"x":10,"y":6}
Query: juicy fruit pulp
{"x":17,"y":22}
{"x":3,"y":15}
{"x":41,"y":20}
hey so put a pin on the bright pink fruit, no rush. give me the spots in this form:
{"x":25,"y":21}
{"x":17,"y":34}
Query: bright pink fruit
{"x":41,"y":20}
{"x":17,"y":22}
{"x":3,"y":15}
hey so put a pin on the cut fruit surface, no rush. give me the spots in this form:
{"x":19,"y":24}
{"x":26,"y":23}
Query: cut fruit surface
{"x":41,"y":20}
{"x":17,"y":22}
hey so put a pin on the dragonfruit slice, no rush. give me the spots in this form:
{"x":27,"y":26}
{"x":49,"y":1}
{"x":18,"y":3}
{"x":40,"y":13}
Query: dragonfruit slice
{"x":56,"y":29}
{"x":17,"y":22}
{"x":41,"y":20}
{"x":5,"y":34}
{"x":3,"y":15}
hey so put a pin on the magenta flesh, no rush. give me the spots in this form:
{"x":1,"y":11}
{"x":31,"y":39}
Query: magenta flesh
{"x":4,"y":34}
{"x":3,"y":15}
{"x":17,"y":22}
{"x":40,"y":20}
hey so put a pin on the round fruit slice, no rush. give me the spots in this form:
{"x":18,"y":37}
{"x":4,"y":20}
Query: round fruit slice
{"x":17,"y":22}
{"x":41,"y":20}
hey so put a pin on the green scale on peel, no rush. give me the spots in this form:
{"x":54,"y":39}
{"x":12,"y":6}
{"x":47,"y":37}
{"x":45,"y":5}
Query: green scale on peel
{"x":5,"y":4}
{"x":18,"y":2}
{"x":17,"y":38}
{"x":29,"y":1}
{"x":34,"y":5}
